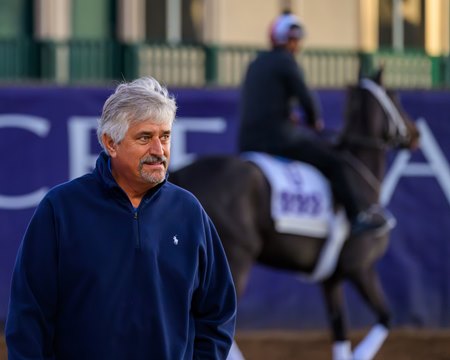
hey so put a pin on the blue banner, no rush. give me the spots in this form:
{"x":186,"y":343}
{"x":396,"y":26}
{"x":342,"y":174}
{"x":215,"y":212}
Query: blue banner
{"x":47,"y":136}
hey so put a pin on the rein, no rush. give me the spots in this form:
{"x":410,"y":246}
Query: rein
{"x":365,"y":141}
{"x":362,"y":169}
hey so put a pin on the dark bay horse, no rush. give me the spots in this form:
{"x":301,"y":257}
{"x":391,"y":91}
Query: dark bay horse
{"x":236,"y":195}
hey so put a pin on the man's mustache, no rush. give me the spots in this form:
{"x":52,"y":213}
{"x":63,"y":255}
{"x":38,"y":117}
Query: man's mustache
{"x":152,"y":159}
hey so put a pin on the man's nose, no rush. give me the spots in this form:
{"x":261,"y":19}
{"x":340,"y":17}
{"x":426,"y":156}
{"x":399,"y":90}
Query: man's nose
{"x":156,"y":147}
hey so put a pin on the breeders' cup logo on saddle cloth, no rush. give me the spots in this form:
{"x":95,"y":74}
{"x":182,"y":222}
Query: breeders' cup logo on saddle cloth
{"x":293,"y":197}
{"x":301,"y":200}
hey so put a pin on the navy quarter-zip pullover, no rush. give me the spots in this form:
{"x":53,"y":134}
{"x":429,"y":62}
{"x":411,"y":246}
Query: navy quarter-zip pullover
{"x":98,"y":279}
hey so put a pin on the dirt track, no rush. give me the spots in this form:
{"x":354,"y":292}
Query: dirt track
{"x":401,"y":345}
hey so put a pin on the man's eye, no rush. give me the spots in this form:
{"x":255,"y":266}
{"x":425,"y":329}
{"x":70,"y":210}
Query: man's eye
{"x":144,"y":138}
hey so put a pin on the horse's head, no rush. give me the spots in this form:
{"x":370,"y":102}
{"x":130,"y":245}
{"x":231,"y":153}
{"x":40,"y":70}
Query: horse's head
{"x":375,"y":117}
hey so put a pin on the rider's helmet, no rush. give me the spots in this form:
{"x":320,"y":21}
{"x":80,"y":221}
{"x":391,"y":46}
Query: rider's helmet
{"x":284,"y":27}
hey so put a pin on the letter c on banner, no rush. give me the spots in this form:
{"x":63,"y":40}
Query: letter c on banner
{"x":40,"y":127}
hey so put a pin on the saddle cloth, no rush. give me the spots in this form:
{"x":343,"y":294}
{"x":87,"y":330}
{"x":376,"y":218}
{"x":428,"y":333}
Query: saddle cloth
{"x":301,"y":200}
{"x":302,"y":204}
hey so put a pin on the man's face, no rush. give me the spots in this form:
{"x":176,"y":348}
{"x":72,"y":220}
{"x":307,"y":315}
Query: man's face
{"x":141,"y":159}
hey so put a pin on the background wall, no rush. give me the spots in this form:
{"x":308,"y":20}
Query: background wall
{"x":333,"y":24}
{"x":47,"y":136}
{"x":329,"y":24}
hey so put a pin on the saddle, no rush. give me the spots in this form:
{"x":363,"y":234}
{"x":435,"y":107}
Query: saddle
{"x":302,"y":204}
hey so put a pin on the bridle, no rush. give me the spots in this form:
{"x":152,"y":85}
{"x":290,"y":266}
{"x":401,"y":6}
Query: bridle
{"x":397,"y":132}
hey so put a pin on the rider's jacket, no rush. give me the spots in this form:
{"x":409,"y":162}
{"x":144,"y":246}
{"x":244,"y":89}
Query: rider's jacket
{"x":274,"y":83}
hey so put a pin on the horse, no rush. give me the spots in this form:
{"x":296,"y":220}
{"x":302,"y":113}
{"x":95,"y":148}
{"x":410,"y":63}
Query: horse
{"x":237,"y":195}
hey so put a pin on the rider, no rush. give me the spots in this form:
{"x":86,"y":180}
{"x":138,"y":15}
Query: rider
{"x":273,"y":83}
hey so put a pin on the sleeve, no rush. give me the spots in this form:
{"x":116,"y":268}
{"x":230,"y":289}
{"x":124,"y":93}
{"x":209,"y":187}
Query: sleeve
{"x":214,"y":302}
{"x":31,"y":315}
{"x":297,"y":85}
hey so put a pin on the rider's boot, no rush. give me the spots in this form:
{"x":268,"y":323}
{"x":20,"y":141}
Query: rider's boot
{"x":373,"y":220}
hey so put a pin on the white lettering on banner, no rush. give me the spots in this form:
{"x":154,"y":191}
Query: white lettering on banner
{"x":40,"y":127}
{"x":437,"y":165}
{"x":180,"y":157}
{"x":81,"y":160}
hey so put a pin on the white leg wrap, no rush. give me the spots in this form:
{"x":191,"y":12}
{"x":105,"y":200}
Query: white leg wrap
{"x":369,"y":346}
{"x":342,"y":350}
{"x":235,"y":353}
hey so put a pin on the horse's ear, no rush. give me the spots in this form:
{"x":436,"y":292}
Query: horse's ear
{"x":378,"y":77}
{"x":360,"y":72}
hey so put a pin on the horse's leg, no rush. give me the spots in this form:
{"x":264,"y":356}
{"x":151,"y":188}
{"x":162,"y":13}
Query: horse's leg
{"x":240,"y":259}
{"x":334,"y":299}
{"x":240,"y":262}
{"x":369,"y":286}
{"x":235,"y":353}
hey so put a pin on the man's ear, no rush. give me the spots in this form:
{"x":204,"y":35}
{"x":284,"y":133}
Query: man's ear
{"x":109,"y":145}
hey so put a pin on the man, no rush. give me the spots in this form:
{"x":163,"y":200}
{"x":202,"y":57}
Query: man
{"x":273,"y":84}
{"x":120,"y":263}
